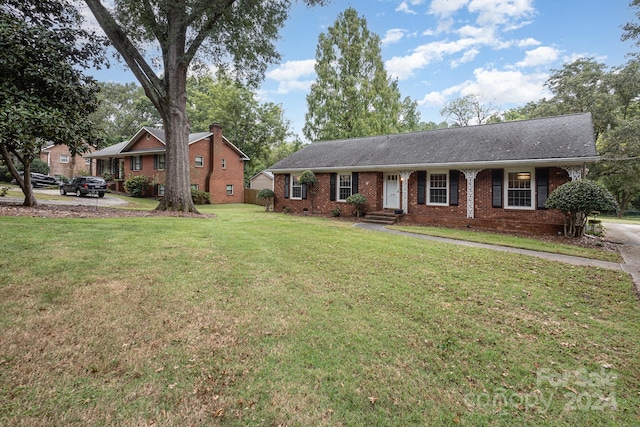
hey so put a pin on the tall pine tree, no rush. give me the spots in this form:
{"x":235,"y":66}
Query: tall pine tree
{"x":352,"y":95}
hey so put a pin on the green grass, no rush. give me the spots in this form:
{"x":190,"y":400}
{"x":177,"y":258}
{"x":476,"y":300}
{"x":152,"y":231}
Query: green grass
{"x":255,"y":318}
{"x":501,"y":239}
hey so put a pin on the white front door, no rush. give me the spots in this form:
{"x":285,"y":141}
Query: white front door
{"x":391,"y":191}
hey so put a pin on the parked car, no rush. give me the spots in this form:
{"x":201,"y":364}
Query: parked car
{"x":84,"y":185}
{"x":40,"y":180}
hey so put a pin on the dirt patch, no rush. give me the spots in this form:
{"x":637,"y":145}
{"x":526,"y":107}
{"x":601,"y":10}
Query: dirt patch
{"x":63,"y":211}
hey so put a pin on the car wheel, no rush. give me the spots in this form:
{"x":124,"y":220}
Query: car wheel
{"x":100,"y":194}
{"x":78,"y":193}
{"x":62,"y":192}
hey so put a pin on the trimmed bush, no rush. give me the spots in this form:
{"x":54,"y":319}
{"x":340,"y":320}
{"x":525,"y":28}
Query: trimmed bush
{"x":137,"y":185}
{"x":358,"y":201}
{"x":200,"y":197}
{"x":267,"y":197}
{"x":577,"y":200}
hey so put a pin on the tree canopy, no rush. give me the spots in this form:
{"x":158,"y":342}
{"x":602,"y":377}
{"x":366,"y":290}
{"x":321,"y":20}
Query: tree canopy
{"x":254,"y":127}
{"x":236,"y":36}
{"x":352,"y":95}
{"x":44,"y":96}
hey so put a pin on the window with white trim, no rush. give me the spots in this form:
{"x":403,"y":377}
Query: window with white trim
{"x":64,"y":158}
{"x":519,"y":189}
{"x":136,"y":163}
{"x":199,"y":161}
{"x":159,"y":162}
{"x":224,"y":163}
{"x":296,"y":187}
{"x":195,"y":186}
{"x":160,"y":190}
{"x":229,"y":189}
{"x":344,"y":187}
{"x":438,"y":189}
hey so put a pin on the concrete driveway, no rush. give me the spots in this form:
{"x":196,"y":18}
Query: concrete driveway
{"x":72,"y":200}
{"x":628,"y":236}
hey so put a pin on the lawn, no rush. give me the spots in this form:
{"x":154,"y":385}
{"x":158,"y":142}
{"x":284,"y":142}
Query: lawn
{"x":256,"y":318}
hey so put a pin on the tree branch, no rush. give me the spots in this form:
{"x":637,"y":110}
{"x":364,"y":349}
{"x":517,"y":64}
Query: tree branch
{"x":151,"y":83}
{"x":206,"y":28}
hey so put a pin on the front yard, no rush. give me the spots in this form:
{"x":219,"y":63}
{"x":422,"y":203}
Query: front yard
{"x":255,"y":318}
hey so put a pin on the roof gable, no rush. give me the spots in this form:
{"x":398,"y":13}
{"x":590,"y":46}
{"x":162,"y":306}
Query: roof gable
{"x":559,"y":138}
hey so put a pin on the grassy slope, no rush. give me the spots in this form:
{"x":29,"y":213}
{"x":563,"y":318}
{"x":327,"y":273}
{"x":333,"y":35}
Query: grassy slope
{"x":256,"y":318}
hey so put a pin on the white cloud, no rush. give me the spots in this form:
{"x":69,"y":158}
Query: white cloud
{"x":492,"y":12}
{"x":507,"y":87}
{"x":468,"y":56}
{"x":290,"y":75}
{"x":539,"y":56}
{"x":292,"y":70}
{"x":393,"y":36}
{"x":528,"y":42}
{"x":403,"y":67}
{"x":405,"y":8}
{"x":501,"y":88}
{"x":446,"y":8}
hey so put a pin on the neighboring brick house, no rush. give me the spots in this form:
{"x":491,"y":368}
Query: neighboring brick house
{"x":63,"y":164}
{"x":495,"y":176}
{"x":216,"y":165}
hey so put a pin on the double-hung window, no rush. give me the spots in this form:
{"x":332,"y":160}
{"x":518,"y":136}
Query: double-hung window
{"x":438,"y":188}
{"x":519,"y":191}
{"x":159,"y":162}
{"x":136,"y":163}
{"x":344,"y":186}
{"x":296,"y":187}
{"x":199,"y":161}
{"x":64,"y":158}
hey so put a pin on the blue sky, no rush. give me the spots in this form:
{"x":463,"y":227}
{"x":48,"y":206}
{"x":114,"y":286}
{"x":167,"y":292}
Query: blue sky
{"x":439,"y":50}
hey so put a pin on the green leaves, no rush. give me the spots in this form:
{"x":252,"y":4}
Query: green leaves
{"x":579,"y":199}
{"x":352,"y":95}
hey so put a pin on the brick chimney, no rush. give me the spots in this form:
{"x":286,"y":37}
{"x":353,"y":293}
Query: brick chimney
{"x":216,"y":140}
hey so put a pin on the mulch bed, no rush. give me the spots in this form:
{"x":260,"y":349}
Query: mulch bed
{"x":64,"y":211}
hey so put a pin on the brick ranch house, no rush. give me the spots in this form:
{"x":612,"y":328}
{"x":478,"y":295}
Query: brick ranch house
{"x":216,"y":165}
{"x":495,"y":176}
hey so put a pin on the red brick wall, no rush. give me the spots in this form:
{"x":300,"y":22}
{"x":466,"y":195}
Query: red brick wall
{"x":219,"y":179}
{"x":371,"y":185}
{"x":76,"y":165}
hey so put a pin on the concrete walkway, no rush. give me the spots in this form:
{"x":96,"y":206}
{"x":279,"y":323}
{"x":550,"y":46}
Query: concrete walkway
{"x":626,"y":235}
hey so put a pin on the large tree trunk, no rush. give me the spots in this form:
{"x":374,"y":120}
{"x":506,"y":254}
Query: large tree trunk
{"x":25,"y":180}
{"x":178,"y":177}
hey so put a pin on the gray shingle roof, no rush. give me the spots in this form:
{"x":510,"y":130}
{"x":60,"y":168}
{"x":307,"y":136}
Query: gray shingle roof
{"x":567,"y":139}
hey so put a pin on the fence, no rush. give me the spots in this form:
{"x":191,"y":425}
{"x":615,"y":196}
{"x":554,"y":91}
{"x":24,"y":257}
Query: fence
{"x":251,"y":197}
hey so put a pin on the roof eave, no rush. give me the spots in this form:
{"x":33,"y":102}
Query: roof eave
{"x":569,"y":161}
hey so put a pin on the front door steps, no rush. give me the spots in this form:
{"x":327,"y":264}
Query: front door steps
{"x":384,"y":217}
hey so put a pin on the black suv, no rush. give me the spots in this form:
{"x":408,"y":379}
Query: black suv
{"x":84,"y":185}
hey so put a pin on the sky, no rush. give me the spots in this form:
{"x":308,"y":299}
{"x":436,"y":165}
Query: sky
{"x":500,"y":50}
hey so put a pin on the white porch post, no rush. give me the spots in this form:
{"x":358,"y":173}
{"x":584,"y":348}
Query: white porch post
{"x":576,"y":172}
{"x":404,"y":177}
{"x":470,"y":176}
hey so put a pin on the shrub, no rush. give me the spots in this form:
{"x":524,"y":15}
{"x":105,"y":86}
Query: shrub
{"x":200,"y":197}
{"x":336,"y":212}
{"x":39,"y":166}
{"x":137,"y":185}
{"x":577,"y":200}
{"x":358,"y":201}
{"x":308,"y":179}
{"x":267,"y":197}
